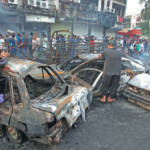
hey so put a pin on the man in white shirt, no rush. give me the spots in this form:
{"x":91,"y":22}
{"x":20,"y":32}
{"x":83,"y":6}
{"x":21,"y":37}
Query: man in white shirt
{"x":44,"y":42}
{"x":142,"y":49}
{"x":2,"y":43}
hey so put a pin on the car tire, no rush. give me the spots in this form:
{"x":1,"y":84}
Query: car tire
{"x":15,"y":135}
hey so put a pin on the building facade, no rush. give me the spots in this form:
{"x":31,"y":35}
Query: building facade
{"x":82,"y":17}
{"x":133,"y":21}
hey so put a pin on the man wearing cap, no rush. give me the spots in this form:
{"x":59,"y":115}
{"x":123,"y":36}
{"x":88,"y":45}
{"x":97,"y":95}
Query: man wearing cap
{"x":112,"y":73}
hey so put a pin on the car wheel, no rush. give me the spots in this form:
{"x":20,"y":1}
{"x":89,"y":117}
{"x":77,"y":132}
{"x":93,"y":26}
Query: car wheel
{"x":14,"y":134}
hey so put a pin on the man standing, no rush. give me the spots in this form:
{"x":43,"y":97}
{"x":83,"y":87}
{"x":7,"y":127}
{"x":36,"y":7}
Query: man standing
{"x":2,"y":43}
{"x":7,"y":41}
{"x":112,"y":73}
{"x":12,"y":45}
{"x":44,"y":42}
{"x":21,"y":46}
{"x":30,"y":43}
{"x":25,"y":40}
{"x":142,"y":49}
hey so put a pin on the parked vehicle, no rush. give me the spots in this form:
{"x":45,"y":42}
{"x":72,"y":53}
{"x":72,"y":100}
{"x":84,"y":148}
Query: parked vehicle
{"x":38,"y":103}
{"x":138,"y":90}
{"x":85,"y":67}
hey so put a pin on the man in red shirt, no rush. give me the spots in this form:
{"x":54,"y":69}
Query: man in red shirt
{"x":92,"y":44}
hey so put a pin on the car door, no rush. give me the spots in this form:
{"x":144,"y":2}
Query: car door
{"x":6,"y":106}
{"x":88,"y":77}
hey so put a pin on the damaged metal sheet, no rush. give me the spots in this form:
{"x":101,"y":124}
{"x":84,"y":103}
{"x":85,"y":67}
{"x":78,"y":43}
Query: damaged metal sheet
{"x":38,"y":103}
{"x":138,"y":90}
{"x":141,"y":81}
{"x":75,"y":66}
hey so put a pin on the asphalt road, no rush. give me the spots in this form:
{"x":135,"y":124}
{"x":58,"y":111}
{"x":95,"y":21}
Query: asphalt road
{"x":116,"y":126}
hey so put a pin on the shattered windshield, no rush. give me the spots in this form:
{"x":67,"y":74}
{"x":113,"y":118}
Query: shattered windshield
{"x":39,"y":81}
{"x":72,"y":63}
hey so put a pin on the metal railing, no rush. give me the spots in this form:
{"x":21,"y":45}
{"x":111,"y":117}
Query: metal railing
{"x":61,"y":52}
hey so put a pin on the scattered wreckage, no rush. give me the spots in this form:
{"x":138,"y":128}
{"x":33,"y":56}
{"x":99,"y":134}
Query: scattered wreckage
{"x":38,"y":102}
{"x":43,"y":101}
{"x":138,"y":90}
{"x":86,"y":67}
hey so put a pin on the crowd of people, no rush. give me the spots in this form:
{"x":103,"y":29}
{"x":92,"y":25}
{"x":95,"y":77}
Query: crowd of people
{"x":134,"y":47}
{"x":21,"y":42}
{"x":26,"y":43}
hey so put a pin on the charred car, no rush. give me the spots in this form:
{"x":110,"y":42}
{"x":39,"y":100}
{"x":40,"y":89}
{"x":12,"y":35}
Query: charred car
{"x":38,"y":103}
{"x":138,"y":90}
{"x":86,"y":67}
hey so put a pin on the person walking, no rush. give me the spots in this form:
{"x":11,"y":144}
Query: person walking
{"x":112,"y":73}
{"x":12,"y":45}
{"x":92,"y":43}
{"x":142,"y":49}
{"x":34,"y":44}
{"x":30,"y":43}
{"x":21,"y":47}
{"x":131,"y":51}
{"x":138,"y":48}
{"x":7,"y":41}
{"x":25,"y":40}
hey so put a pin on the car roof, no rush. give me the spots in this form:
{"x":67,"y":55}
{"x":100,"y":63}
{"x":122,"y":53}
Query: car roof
{"x":94,"y":56}
{"x":88,"y":56}
{"x":21,"y":66}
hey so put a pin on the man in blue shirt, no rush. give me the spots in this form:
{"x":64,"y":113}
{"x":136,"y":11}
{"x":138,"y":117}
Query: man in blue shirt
{"x":12,"y":45}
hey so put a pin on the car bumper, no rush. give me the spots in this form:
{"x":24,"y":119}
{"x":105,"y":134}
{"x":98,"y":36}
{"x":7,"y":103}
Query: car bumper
{"x":54,"y":134}
{"x":137,"y":99}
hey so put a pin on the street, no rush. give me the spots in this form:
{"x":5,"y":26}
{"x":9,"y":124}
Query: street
{"x":116,"y":126}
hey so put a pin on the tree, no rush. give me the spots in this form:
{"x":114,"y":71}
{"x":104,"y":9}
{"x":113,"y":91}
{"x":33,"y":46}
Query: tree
{"x":145,"y":13}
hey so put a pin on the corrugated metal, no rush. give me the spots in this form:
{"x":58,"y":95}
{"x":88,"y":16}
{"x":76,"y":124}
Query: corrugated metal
{"x":80,"y":29}
{"x":60,"y":26}
{"x":97,"y":31}
{"x":111,"y":32}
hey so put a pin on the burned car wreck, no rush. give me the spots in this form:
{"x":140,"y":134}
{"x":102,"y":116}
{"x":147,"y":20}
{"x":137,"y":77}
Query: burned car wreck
{"x":38,"y":103}
{"x":138,"y":90}
{"x":86,"y":67}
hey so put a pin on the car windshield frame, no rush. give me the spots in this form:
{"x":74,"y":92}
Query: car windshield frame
{"x":55,"y":78}
{"x":64,"y":66}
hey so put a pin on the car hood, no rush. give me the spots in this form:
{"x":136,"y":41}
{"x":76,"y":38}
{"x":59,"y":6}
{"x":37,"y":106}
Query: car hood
{"x":61,"y":106}
{"x":141,"y":81}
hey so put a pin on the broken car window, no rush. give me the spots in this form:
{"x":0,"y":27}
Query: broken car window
{"x":89,"y":76}
{"x":38,"y":82}
{"x":96,"y":64}
{"x":4,"y":88}
{"x":72,"y":63}
{"x":16,"y":92}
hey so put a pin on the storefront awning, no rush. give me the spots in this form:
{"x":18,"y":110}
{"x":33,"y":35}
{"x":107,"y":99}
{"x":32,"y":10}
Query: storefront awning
{"x":130,"y":32}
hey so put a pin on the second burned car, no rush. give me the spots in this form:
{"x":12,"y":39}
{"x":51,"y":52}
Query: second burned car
{"x":86,"y":68}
